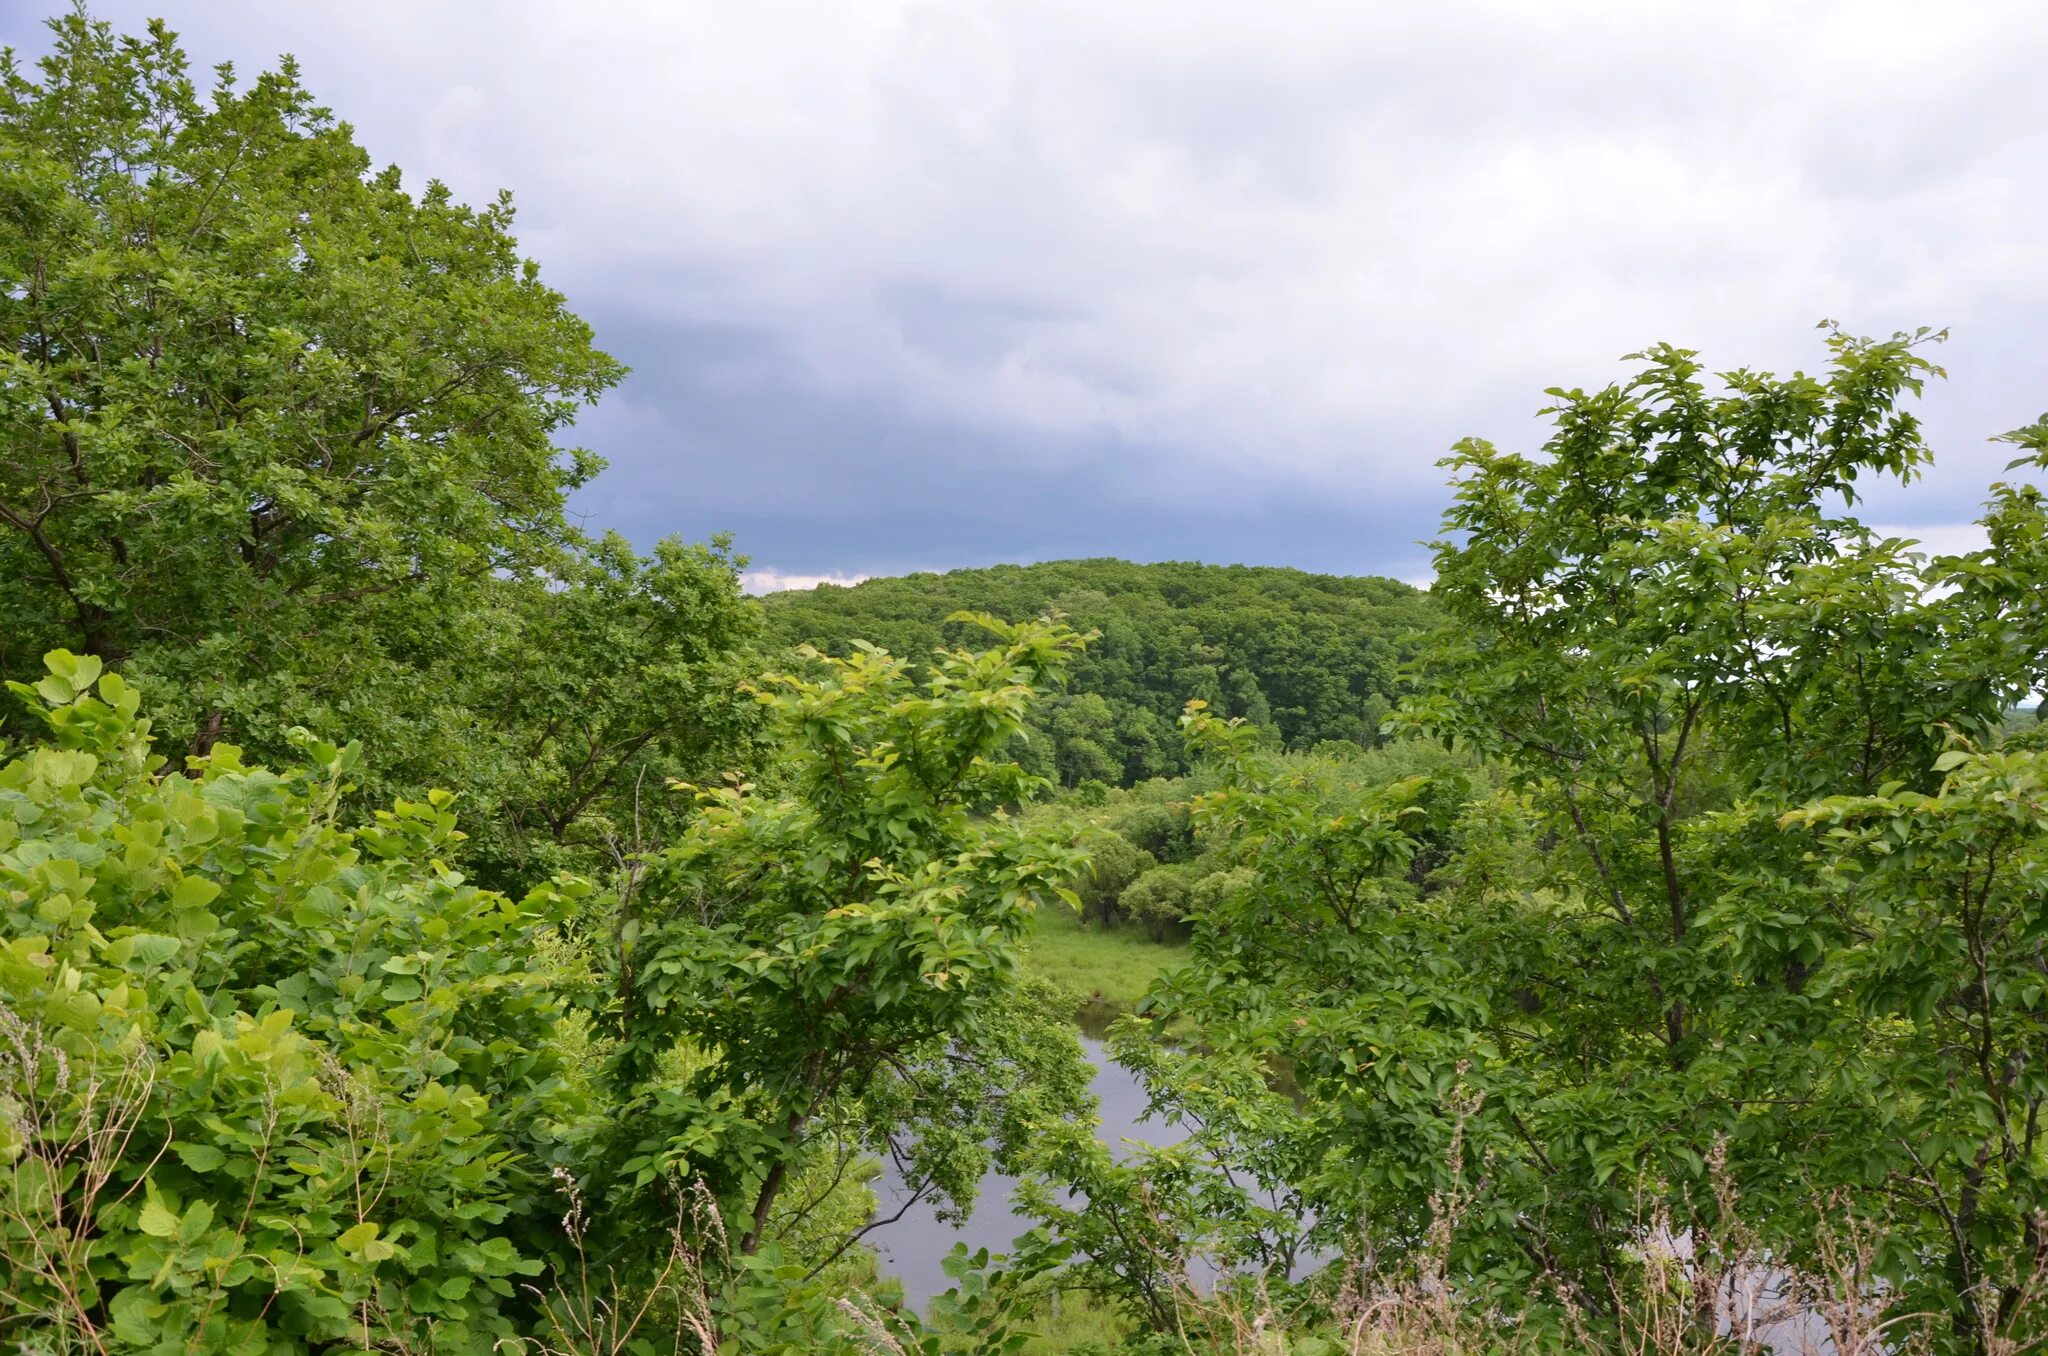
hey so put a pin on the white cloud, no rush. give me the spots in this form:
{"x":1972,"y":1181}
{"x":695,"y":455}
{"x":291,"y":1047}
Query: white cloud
{"x":1938,"y":539}
{"x":776,"y":581}
{"x":1320,"y":239}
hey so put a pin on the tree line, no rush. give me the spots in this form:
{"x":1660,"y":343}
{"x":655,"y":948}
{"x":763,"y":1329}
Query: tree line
{"x":1310,"y":659}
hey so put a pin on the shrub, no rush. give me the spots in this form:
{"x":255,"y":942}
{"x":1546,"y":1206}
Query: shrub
{"x":1114,"y":863}
{"x":266,"y":1084}
{"x":1163,"y":830}
{"x":1158,"y":900}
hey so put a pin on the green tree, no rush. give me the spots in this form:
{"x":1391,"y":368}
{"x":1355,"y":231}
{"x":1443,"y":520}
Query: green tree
{"x":1624,"y":968}
{"x":854,"y":943}
{"x":1113,"y":863}
{"x":1083,"y":732}
{"x":1671,"y":633}
{"x":1161,"y":828}
{"x":264,"y":411}
{"x":1158,"y":900}
{"x":271,"y":1083}
{"x":580,"y":695}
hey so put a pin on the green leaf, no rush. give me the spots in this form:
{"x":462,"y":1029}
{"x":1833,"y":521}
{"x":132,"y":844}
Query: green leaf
{"x":198,"y":1219}
{"x":144,"y":950}
{"x":200,"y":1157}
{"x":357,"y":1238}
{"x":194,"y":892}
{"x":157,"y":1219}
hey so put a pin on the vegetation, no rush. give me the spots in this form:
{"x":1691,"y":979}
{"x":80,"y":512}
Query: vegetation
{"x":280,"y":443}
{"x":267,"y":1079}
{"x":1103,"y":967}
{"x":1742,"y":921}
{"x":1309,"y":658}
{"x":426,"y":928}
{"x":845,"y":958}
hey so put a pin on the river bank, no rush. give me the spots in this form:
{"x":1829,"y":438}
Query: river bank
{"x":1109,"y":966}
{"x":1107,"y":969}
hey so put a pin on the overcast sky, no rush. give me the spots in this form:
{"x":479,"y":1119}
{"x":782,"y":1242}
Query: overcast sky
{"x":910,"y":285}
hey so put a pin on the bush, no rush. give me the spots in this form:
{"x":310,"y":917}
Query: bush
{"x":1212,"y":891}
{"x":265,"y":1084}
{"x":1158,"y":900}
{"x":1114,"y":863}
{"x":1163,"y":830}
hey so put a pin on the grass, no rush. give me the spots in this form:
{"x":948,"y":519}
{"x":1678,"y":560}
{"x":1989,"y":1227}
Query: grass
{"x":1075,"y":1321}
{"x":1110,"y":966}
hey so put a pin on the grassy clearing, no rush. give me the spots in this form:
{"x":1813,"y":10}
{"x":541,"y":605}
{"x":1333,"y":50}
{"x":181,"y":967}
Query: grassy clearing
{"x":1107,"y":965}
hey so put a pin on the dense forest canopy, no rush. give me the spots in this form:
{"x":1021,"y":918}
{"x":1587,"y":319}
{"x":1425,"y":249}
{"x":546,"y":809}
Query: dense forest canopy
{"x":1311,"y":658}
{"x":426,"y":927}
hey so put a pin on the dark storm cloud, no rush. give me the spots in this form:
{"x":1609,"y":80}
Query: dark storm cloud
{"x":714,"y":433}
{"x":914,"y":283}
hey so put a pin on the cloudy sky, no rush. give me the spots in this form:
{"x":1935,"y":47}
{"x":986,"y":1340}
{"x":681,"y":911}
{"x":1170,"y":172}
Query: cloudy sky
{"x":909,"y":284}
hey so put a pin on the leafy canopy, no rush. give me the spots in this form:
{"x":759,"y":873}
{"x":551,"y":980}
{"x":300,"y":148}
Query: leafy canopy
{"x":256,"y":400}
{"x":1311,"y":657}
{"x":855,"y":941}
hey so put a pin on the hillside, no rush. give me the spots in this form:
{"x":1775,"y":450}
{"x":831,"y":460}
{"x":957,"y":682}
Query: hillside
{"x":1311,"y":657}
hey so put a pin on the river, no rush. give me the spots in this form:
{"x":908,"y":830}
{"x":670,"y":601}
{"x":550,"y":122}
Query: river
{"x":912,"y":1248}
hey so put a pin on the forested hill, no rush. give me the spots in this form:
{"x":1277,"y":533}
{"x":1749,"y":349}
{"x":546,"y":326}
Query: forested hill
{"x":1313,"y":657}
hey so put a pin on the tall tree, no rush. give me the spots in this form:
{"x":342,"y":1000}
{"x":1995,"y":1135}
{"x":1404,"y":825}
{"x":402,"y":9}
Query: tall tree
{"x":1673,"y":632}
{"x":1640,"y":968}
{"x":254,"y":396}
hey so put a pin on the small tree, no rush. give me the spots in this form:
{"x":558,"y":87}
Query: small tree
{"x":1113,"y":864}
{"x":856,"y":942}
{"x":1158,"y":900}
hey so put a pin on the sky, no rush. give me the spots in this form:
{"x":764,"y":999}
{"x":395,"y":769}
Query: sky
{"x":918,"y":284}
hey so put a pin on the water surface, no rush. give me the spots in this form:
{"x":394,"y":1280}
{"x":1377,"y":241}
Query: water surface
{"x":913,"y":1247}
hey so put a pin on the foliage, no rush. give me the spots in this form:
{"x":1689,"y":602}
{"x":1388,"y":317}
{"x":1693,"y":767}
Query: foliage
{"x":1625,"y":963}
{"x":1101,"y":970}
{"x":268,"y":1083}
{"x":1948,"y":964}
{"x":1113,"y":863}
{"x":1671,"y":637}
{"x":256,"y":395}
{"x":1312,"y":657}
{"x":855,"y":943}
{"x":1161,"y":828}
{"x":279,"y":445}
{"x":1158,"y":899}
{"x":579,"y":696}
{"x":1702,"y":933}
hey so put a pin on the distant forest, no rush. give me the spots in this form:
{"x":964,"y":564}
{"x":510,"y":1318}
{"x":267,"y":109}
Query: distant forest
{"x":1313,"y":658}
